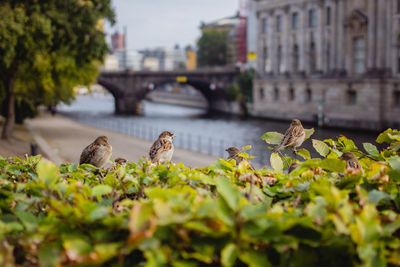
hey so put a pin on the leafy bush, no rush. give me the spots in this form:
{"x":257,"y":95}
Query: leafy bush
{"x":171,"y":215}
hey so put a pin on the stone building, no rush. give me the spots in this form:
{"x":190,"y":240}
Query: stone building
{"x":336,"y":58}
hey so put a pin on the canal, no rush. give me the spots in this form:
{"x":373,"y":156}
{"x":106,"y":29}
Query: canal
{"x":195,"y":129}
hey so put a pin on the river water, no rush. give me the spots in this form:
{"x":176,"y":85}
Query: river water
{"x":195,"y":129}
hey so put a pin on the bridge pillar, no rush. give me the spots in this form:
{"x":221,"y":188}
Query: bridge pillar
{"x":127,"y":105}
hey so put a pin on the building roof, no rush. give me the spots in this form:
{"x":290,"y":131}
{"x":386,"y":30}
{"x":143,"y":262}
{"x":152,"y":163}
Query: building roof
{"x":224,"y":22}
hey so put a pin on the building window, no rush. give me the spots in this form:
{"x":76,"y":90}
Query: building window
{"x":265,"y":59}
{"x":328,"y":16}
{"x":295,"y":58}
{"x":264,"y":25}
{"x":291,"y":94}
{"x":359,"y":55}
{"x":397,"y":99}
{"x":312,"y":18}
{"x":328,"y":57}
{"x":313,"y":58}
{"x":276,"y":93}
{"x":398,"y":6}
{"x":279,"y":23}
{"x":398,"y":54}
{"x":295,"y":21}
{"x":280,"y":60}
{"x":308,"y":95}
{"x":351,"y":97}
{"x":261,"y":91}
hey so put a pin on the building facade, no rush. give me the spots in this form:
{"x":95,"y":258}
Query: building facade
{"x":338,"y":60}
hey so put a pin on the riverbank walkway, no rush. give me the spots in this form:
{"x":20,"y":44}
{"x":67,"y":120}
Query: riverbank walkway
{"x":62,"y":140}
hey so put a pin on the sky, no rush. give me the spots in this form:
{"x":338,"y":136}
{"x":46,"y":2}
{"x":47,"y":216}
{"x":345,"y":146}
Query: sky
{"x":164,"y":23}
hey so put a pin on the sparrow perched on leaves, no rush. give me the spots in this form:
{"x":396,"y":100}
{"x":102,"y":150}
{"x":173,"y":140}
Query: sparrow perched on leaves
{"x":97,"y":153}
{"x":234,"y":154}
{"x":121,"y":161}
{"x":351,"y":161}
{"x":163,"y":148}
{"x":293,"y":137}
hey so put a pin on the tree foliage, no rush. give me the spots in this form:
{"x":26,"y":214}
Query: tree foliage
{"x":213,"y":48}
{"x":170,"y":215}
{"x":47,"y":48}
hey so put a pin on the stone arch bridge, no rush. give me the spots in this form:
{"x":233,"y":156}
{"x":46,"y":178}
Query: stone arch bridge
{"x":130,"y":88}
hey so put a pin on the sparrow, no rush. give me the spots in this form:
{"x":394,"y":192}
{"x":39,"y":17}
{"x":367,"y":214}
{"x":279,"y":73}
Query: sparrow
{"x":97,"y":153}
{"x":121,"y":161}
{"x":351,"y":161}
{"x":234,"y":154}
{"x":163,"y":148}
{"x":293,"y":137}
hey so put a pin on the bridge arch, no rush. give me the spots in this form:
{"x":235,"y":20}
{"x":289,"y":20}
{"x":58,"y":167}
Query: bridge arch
{"x":130,"y":88}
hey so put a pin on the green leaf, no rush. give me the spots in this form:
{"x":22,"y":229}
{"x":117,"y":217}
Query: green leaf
{"x":305,"y":154}
{"x":47,"y":172}
{"x":246,"y":148}
{"x":255,"y":258}
{"x":28,"y":220}
{"x":49,"y":255}
{"x":395,"y":163}
{"x":229,"y":255}
{"x":309,"y":133}
{"x":101,"y":189}
{"x":229,"y":192}
{"x":272,"y":138}
{"x":375,"y":196}
{"x":276,"y":162}
{"x":371,"y":149}
{"x":320,"y":147}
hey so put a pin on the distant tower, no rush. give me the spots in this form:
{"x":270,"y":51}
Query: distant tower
{"x":117,"y":41}
{"x":242,"y":32}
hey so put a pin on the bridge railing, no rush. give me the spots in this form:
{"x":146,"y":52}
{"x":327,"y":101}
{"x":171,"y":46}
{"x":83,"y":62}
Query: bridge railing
{"x":185,"y":140}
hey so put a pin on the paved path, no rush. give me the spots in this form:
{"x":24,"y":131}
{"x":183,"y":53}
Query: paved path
{"x":63,"y":141}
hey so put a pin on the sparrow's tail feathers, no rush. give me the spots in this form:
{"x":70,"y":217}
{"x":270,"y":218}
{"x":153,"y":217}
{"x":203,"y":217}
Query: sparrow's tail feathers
{"x":277,"y":148}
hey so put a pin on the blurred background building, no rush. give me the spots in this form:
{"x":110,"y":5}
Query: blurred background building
{"x":339,"y":59}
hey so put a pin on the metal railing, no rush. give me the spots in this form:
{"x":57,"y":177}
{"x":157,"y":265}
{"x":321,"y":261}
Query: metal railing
{"x":186,"y":140}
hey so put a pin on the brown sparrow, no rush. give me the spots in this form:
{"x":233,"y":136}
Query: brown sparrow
{"x":293,"y":137}
{"x":351,"y":161}
{"x":163,"y":148}
{"x":97,"y":153}
{"x":234,"y":154}
{"x":121,"y":161}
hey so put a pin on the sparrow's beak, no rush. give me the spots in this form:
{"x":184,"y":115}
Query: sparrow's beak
{"x":226,"y":150}
{"x":173,"y":136}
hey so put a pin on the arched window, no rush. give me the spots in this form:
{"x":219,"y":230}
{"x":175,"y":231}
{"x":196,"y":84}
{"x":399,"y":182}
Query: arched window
{"x":276,"y":93}
{"x":313,"y":58}
{"x":279,"y":23}
{"x":264,"y":25}
{"x":359,"y":55}
{"x":295,"y":20}
{"x":295,"y":58}
{"x":312,"y":18}
{"x":308,"y":95}
{"x":291,"y":94}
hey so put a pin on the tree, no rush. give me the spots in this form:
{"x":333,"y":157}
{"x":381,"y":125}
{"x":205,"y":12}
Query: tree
{"x":213,"y":48}
{"x":48,"y":48}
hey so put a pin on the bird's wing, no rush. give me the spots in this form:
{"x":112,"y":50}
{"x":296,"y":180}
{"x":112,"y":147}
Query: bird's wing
{"x":353,"y":164}
{"x":158,"y":147}
{"x":87,"y":153}
{"x":292,"y":134}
